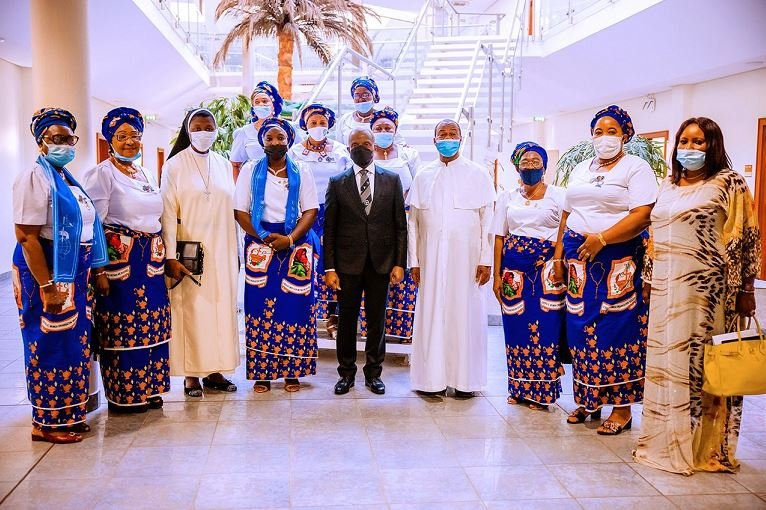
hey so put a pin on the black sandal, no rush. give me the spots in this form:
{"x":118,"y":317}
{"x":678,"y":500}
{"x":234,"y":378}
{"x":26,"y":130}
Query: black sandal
{"x":118,"y":409}
{"x":194,"y":391}
{"x":580,"y":415}
{"x":225,"y":385}
{"x":262,"y":386}
{"x":155,"y":402}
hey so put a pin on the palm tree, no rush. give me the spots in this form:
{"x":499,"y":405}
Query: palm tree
{"x":292,"y":21}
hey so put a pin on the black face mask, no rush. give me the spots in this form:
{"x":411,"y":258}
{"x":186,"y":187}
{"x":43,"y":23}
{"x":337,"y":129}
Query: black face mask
{"x":361,"y":155}
{"x":275,"y":152}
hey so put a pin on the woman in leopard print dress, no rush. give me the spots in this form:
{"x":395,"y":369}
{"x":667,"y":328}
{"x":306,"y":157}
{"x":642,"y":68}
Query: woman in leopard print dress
{"x":706,"y":255}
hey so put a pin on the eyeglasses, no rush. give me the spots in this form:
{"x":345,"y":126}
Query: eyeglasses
{"x":530,"y":166}
{"x":122,"y":137}
{"x":62,"y":139}
{"x":364,"y":96}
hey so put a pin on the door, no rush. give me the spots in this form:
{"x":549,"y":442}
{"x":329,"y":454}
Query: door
{"x":760,"y":189}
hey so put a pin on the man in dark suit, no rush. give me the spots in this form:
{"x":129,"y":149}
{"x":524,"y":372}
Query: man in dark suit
{"x":365,"y":248}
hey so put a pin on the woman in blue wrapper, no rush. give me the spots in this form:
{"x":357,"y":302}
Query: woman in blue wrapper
{"x":525,"y":225}
{"x":60,"y":238}
{"x":132,"y":312}
{"x":276,"y":204}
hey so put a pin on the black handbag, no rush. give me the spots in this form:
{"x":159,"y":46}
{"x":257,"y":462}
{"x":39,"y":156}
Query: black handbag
{"x":191,"y":255}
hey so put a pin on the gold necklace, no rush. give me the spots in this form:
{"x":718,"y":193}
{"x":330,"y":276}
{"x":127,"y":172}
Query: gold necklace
{"x":124,"y":168}
{"x":534,"y":196}
{"x":602,"y":163}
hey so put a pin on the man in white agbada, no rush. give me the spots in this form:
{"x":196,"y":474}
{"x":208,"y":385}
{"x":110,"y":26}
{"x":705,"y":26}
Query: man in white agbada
{"x":198,"y":199}
{"x":450,"y":253}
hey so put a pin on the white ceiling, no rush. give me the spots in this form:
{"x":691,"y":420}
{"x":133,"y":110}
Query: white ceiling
{"x":672,"y":43}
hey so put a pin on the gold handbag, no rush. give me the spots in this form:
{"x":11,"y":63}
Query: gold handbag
{"x":737,"y":365}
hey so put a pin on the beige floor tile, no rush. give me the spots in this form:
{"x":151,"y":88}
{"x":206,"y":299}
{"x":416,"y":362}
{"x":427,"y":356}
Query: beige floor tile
{"x":500,"y":483}
{"x":329,"y":429}
{"x":464,"y":505}
{"x":58,"y":494}
{"x":64,"y":463}
{"x":16,"y":416}
{"x":601,"y":480}
{"x":246,"y":458}
{"x":474,"y":427}
{"x":149,"y":493}
{"x":184,"y":412}
{"x":326,"y":409}
{"x":630,"y":503}
{"x":248,"y":410}
{"x":262,"y":490}
{"x":5,"y":488}
{"x":699,"y":483}
{"x":320,"y":488}
{"x":391,"y":408}
{"x":535,"y":504}
{"x":414,"y":453}
{"x":478,"y":406}
{"x":494,"y":452}
{"x":163,"y":460}
{"x":15,"y":465}
{"x":719,"y":502}
{"x":331,"y":455}
{"x":750,"y":450}
{"x":175,"y":434}
{"x":752,"y":475}
{"x":427,"y":485}
{"x":251,"y":432}
{"x":394,"y":429}
{"x":571,"y":450}
{"x":18,"y":439}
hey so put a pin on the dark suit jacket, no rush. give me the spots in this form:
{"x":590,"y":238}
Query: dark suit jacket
{"x":350,"y":235}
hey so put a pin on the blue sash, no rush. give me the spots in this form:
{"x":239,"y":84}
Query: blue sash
{"x":258,"y":189}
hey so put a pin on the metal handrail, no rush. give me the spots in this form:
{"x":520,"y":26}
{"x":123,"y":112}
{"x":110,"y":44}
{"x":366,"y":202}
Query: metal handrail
{"x":411,"y":36}
{"x":468,"y":81}
{"x":336,"y":64}
{"x":517,"y":17}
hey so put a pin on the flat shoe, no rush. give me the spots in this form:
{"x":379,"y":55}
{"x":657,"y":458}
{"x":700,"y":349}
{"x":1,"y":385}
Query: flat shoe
{"x":56,"y":437}
{"x":155,"y":403}
{"x":225,"y":385}
{"x":262,"y":386}
{"x":463,"y":395}
{"x":194,"y":391}
{"x":612,"y":428}
{"x":118,"y":409}
{"x":580,"y":415}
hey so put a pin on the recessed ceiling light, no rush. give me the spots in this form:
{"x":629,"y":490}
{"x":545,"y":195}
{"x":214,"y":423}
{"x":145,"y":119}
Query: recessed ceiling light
{"x":2,"y":39}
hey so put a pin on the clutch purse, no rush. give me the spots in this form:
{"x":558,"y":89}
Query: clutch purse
{"x":191,"y":255}
{"x":734,"y":363}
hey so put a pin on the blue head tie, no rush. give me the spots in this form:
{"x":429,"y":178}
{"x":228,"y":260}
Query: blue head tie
{"x":618,"y":114}
{"x":44,"y":118}
{"x":369,"y":84}
{"x":523,"y":147}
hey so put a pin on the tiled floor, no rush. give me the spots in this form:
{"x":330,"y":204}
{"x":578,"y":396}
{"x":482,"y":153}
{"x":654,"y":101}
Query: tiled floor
{"x":314,"y":450}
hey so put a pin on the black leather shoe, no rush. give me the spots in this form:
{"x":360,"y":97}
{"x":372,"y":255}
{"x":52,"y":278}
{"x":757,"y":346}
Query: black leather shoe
{"x":343,"y":385}
{"x":464,"y":395}
{"x":376,"y":385}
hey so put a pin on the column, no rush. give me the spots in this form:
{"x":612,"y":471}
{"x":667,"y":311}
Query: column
{"x":61,"y":68}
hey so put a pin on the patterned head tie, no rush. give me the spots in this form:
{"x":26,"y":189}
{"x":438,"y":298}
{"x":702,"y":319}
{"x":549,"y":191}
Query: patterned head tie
{"x":369,"y":84}
{"x":270,"y":90}
{"x":618,"y":114}
{"x":47,"y":117}
{"x":386,"y":113}
{"x":119,"y":116}
{"x":282,"y":124}
{"x":314,"y":109}
{"x":524,"y":147}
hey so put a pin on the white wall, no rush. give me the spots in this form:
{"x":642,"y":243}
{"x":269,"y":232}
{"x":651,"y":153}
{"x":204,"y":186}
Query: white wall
{"x":18,"y":149}
{"x":734,"y":102}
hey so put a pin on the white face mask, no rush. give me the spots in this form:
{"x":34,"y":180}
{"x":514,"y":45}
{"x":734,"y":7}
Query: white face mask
{"x":318,"y":133}
{"x":203,"y":140}
{"x":607,"y":146}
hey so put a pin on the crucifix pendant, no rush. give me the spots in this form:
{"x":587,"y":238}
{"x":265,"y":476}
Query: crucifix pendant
{"x":527,"y":202}
{"x":207,"y":194}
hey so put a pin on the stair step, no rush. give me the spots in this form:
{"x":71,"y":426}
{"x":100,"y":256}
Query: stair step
{"x":443,"y":91}
{"x":417,"y":113}
{"x":460,"y":39}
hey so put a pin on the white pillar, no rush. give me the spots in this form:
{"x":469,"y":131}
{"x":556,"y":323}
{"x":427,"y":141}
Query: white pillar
{"x":247,"y":70}
{"x":61,"y":68}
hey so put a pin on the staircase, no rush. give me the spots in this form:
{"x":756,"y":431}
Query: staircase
{"x":439,"y":87}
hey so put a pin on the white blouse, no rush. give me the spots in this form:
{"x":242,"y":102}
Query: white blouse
{"x":596,"y":200}
{"x":405,"y":165}
{"x":121,"y":200}
{"x":32,"y":203}
{"x":275,"y":194}
{"x":322,"y":167}
{"x":347,"y":123}
{"x":540,"y":219}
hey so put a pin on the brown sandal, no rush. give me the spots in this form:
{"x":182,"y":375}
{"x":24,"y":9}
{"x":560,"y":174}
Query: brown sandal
{"x":262,"y":386}
{"x":292,"y":385}
{"x":579,"y":415}
{"x":612,"y":428}
{"x":524,"y":402}
{"x":61,"y":437}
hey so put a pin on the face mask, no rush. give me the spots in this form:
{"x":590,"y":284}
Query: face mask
{"x":691,"y":159}
{"x":318,"y":133}
{"x":126,"y":159}
{"x":262,"y":112}
{"x":531,"y":176}
{"x":364,"y":107}
{"x":203,"y":140}
{"x":448,"y":148}
{"x":361,"y":155}
{"x":59,"y":155}
{"x":607,"y":146}
{"x":275,"y":152}
{"x":384,"y":140}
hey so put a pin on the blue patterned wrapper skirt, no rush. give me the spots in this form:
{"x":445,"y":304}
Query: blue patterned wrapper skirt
{"x":280,"y":308}
{"x":57,"y":347}
{"x":533,"y":319}
{"x":132,"y":324}
{"x":607,"y":322}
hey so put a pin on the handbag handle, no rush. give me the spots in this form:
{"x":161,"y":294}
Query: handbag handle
{"x":751,"y":318}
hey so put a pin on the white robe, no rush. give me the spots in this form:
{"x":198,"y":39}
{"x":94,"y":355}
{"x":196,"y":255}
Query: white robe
{"x":205,"y":337}
{"x":449,"y":237}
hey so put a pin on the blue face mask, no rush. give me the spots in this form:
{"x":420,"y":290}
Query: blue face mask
{"x":127,"y":159}
{"x":60,"y":155}
{"x":691,"y":159}
{"x":531,"y":176}
{"x":448,"y":148}
{"x":384,"y":140}
{"x":364,"y":107}
{"x":262,"y":112}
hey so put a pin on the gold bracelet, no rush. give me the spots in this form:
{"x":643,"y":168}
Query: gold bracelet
{"x":601,"y":238}
{"x":46,"y":285}
{"x":292,"y":241}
